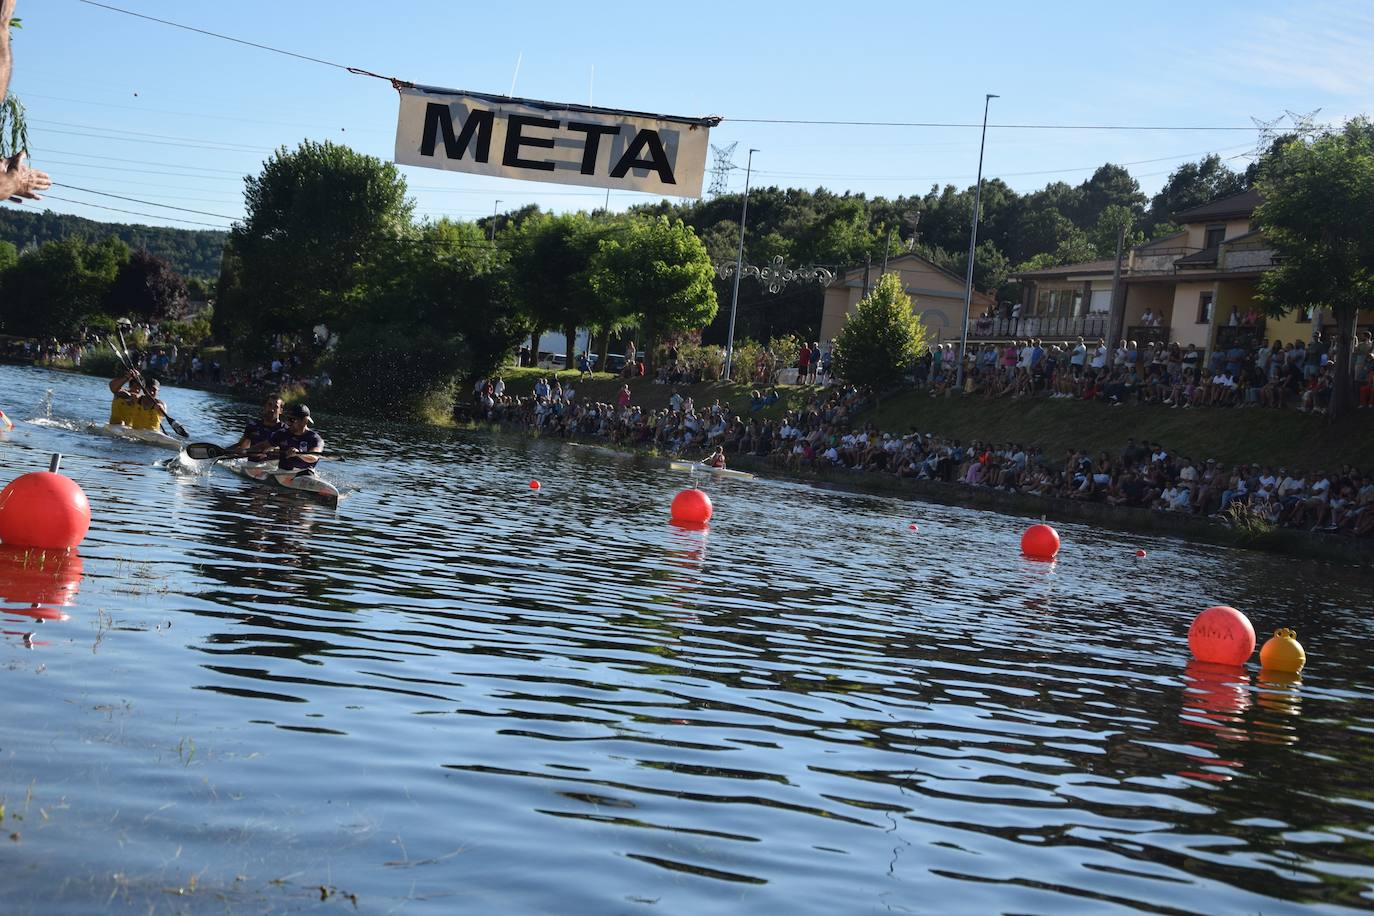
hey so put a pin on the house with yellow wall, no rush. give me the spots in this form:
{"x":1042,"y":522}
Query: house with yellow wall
{"x":1199,"y":286}
{"x":937,"y":296}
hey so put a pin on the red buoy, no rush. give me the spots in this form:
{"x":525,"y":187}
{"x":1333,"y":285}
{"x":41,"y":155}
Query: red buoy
{"x":691,"y":506}
{"x":534,"y":484}
{"x":1040,"y":542}
{"x":44,"y":510}
{"x":1221,"y":635}
{"x":1140,"y":554}
{"x":913,"y":527}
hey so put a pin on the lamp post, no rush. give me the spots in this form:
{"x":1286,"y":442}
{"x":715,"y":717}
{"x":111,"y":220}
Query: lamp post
{"x":972,"y":245}
{"x":739,"y":266}
{"x":491,"y":236}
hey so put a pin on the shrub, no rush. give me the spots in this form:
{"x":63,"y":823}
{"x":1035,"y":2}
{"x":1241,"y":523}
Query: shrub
{"x":881,"y":338}
{"x":102,"y":361}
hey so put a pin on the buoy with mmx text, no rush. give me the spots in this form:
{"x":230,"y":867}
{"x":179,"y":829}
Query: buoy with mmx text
{"x":1221,"y":635}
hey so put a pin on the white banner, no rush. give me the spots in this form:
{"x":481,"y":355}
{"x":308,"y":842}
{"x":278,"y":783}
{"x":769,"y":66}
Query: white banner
{"x":543,"y":141}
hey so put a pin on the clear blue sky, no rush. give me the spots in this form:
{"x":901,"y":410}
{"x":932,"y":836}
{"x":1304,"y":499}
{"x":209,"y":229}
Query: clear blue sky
{"x":142,"y":110}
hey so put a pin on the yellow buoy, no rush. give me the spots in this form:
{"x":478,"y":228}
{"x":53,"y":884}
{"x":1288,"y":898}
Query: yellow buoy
{"x":1283,"y":652}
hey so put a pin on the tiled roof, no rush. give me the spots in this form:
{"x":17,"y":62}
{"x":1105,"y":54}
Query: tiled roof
{"x":1064,"y":270}
{"x":1199,"y":258}
{"x":1237,"y":205}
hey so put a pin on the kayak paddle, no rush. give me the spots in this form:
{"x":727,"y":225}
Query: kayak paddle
{"x":209,"y":451}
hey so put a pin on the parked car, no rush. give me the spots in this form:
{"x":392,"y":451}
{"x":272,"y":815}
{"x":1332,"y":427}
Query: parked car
{"x":554,"y":361}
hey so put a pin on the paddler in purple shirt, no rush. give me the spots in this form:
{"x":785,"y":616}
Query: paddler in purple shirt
{"x":299,"y":445}
{"x":257,"y":436}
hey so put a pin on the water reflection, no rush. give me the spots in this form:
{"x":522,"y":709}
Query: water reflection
{"x":35,"y":586}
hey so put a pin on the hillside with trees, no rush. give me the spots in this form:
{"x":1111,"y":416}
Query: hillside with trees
{"x":190,"y":252}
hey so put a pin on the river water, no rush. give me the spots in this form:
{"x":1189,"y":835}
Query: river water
{"x":454,"y":694}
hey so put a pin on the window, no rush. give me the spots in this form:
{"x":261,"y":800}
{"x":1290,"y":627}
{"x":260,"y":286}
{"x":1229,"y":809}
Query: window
{"x":1204,"y":307}
{"x":1305,"y":314}
{"x":1215,"y":236}
{"x":1059,"y":303}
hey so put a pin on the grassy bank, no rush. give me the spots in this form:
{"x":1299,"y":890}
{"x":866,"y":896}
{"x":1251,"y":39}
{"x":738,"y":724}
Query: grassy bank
{"x":1230,"y":435}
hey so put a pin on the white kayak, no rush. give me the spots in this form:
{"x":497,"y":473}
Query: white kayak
{"x":147,"y":436}
{"x":707,"y":469}
{"x":267,"y":472}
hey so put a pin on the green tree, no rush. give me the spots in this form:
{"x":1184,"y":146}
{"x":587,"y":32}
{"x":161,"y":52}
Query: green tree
{"x":434,"y":308}
{"x":1109,"y":186}
{"x":52,"y":290}
{"x":550,"y":273}
{"x":1192,"y":185}
{"x":192,"y":253}
{"x":9,"y":256}
{"x":316,"y":217}
{"x":1318,"y":197}
{"x":198,"y":290}
{"x":657,"y":270}
{"x":1106,"y":232}
{"x":881,"y":338}
{"x":145,"y":286}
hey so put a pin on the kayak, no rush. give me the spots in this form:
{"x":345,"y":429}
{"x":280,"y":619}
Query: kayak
{"x":267,"y":472}
{"x":147,"y":436}
{"x":707,"y":469}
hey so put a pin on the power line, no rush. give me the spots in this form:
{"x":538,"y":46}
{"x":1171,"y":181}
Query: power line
{"x":242,"y":147}
{"x":77,"y":133}
{"x":1054,"y":171}
{"x":241,"y":41}
{"x":803,"y":121}
{"x":194,"y":114}
{"x":175,"y":165}
{"x":148,"y":203}
{"x":86,"y":165}
{"x":975,"y":124}
{"x":82,"y":203}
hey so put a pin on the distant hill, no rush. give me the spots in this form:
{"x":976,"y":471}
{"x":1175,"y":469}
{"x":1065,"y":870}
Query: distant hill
{"x":191,"y":252}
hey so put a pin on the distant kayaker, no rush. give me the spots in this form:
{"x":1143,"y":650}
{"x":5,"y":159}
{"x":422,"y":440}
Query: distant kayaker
{"x":299,"y":445}
{"x":716,"y":459}
{"x":258,"y":435}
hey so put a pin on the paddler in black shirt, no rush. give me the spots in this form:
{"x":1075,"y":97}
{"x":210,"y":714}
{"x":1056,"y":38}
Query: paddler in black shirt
{"x":257,"y":441}
{"x":300,"y":446}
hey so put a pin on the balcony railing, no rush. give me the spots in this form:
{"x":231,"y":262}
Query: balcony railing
{"x":1243,"y":335}
{"x":1148,"y":334}
{"x":1090,"y":326}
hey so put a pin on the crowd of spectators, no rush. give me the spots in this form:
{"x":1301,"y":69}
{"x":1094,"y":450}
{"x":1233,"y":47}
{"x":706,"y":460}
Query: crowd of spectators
{"x":825,"y":434}
{"x":1263,"y":374}
{"x":157,"y":352}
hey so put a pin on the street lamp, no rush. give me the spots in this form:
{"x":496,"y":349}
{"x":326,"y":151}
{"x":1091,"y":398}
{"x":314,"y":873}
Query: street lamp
{"x":491,"y":236}
{"x":972,"y":244}
{"x":739,"y":266}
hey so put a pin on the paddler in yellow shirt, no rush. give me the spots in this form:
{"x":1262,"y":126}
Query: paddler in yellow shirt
{"x":136,"y":403}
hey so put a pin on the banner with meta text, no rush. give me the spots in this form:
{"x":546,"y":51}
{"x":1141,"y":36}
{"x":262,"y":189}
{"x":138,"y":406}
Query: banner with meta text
{"x":541,"y":141}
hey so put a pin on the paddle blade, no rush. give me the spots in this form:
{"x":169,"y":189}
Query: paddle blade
{"x":204,"y":451}
{"x":178,"y":428}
